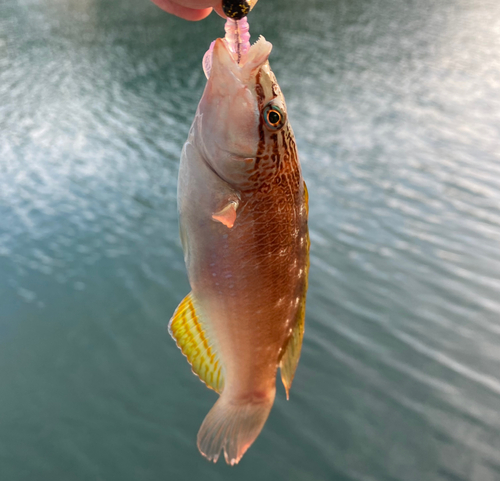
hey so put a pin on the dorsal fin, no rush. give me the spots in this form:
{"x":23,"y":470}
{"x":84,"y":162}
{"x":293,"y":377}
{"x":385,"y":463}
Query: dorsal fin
{"x":290,"y":359}
{"x":189,"y":332}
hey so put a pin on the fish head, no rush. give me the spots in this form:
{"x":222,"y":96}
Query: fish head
{"x":241,"y":107}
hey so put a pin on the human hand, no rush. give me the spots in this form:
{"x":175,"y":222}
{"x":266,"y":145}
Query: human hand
{"x":191,"y":9}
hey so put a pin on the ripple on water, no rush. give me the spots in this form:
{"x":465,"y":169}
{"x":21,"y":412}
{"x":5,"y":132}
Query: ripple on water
{"x":394,"y":106}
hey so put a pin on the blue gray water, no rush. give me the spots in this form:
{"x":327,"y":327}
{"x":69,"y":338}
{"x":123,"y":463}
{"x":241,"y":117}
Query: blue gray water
{"x":396,"y":109}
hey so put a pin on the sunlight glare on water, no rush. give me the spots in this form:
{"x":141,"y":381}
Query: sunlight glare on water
{"x":396,"y":110}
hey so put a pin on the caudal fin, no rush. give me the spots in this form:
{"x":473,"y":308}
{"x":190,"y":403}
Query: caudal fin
{"x":233,"y":427}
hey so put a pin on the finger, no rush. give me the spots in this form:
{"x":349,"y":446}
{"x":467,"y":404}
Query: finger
{"x":197,"y":4}
{"x":182,"y":11}
{"x":220,"y":12}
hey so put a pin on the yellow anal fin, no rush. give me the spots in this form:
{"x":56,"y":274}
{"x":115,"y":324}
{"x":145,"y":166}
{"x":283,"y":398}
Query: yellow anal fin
{"x":187,"y":329}
{"x":290,"y":359}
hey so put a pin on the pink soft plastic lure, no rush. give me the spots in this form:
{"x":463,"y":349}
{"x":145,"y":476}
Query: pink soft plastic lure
{"x":237,"y":39}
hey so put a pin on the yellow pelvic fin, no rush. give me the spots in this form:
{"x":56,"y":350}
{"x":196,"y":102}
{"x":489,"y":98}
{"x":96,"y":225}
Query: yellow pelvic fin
{"x":290,"y":359}
{"x":227,"y":215}
{"x":186,"y":327}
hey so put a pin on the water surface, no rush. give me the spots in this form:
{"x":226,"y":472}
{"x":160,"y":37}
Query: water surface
{"x":396,"y":109}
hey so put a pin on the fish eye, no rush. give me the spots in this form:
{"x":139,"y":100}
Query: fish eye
{"x":274,"y":117}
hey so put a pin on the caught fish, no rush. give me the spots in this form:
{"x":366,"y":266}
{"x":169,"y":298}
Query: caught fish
{"x":243,"y":223}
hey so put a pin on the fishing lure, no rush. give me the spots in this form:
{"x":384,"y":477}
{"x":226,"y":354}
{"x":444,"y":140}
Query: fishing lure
{"x":237,"y":9}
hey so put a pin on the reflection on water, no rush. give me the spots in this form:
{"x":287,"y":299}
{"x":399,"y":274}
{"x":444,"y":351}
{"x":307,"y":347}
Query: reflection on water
{"x":396,"y":110}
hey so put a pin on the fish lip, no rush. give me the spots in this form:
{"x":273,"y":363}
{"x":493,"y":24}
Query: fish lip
{"x":256,"y":57}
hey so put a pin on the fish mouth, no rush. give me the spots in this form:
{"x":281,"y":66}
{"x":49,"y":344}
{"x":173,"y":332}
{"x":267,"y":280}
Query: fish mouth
{"x":220,"y":54}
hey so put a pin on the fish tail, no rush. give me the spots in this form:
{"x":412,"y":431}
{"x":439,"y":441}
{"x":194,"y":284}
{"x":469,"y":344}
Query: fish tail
{"x":233,"y":426}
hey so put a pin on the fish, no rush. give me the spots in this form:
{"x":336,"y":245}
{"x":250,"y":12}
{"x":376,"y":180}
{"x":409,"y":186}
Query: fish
{"x":243,"y":208}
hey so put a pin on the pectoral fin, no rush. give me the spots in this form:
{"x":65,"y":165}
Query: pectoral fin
{"x":190,"y":334}
{"x":227,"y":215}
